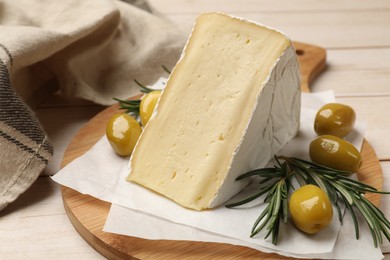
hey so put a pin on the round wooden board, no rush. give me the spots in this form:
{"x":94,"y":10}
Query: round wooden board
{"x":89,"y":214}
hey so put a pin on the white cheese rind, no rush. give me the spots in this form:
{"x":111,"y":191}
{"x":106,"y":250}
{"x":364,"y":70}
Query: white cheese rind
{"x":274,"y":122}
{"x":220,"y":114}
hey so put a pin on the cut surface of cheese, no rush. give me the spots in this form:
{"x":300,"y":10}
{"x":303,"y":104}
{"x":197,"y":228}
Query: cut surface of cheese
{"x":231,"y":102}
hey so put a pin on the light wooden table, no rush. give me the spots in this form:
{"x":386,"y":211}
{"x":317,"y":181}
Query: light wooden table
{"x":356,"y":35}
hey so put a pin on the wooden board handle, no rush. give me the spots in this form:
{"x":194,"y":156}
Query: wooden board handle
{"x":312,"y":60}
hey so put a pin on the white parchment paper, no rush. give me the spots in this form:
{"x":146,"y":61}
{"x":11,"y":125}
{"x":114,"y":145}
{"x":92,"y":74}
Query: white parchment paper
{"x":101,"y":173}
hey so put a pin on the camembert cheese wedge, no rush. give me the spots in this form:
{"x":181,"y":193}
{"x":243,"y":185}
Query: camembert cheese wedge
{"x":231,"y":103}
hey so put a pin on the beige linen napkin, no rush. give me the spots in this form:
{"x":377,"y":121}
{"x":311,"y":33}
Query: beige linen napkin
{"x":91,"y":49}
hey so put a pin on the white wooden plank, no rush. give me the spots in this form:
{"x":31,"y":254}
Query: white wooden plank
{"x":197,"y":6}
{"x":326,"y":29}
{"x":373,"y":111}
{"x":36,"y":226}
{"x":61,"y":124}
{"x":385,"y":203}
{"x":356,"y":72}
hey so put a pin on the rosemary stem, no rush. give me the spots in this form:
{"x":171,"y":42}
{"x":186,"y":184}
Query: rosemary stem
{"x":339,"y":187}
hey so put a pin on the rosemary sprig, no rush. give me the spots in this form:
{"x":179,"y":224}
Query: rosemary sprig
{"x":277,"y":184}
{"x":132,"y":106}
{"x":335,"y":183}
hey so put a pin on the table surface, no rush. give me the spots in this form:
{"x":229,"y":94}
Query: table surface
{"x":356,"y":35}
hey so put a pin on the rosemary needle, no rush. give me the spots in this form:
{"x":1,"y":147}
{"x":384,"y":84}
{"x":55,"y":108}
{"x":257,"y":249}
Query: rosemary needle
{"x":335,"y":183}
{"x":166,"y":69}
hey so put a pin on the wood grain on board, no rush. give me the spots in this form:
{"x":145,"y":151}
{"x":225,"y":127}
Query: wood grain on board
{"x":88,"y":214}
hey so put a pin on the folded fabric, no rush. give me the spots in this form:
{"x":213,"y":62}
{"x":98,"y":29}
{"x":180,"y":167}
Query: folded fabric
{"x":91,"y":49}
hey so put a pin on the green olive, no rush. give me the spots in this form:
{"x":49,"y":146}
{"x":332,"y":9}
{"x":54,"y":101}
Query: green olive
{"x":310,"y":209}
{"x":334,"y":119}
{"x":148,"y":103}
{"x":336,"y":153}
{"x":122,"y":132}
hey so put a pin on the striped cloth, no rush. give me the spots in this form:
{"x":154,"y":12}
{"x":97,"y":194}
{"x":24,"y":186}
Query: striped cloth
{"x":24,"y":147}
{"x":91,"y":49}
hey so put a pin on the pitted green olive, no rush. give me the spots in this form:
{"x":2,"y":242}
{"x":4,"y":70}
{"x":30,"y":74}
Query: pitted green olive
{"x":122,"y":132}
{"x":336,"y":153}
{"x":334,"y":119}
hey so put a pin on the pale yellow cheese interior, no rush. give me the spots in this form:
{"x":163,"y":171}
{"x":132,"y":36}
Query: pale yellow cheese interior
{"x":187,"y":148}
